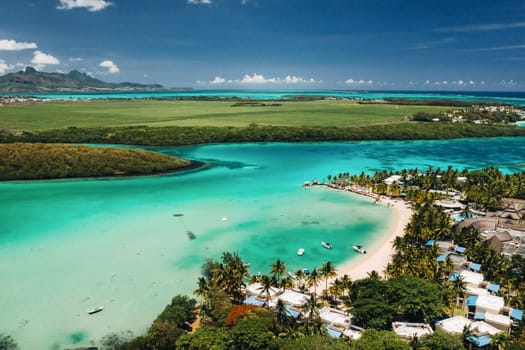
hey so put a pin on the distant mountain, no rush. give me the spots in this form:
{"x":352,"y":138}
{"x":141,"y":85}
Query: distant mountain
{"x":32,"y":81}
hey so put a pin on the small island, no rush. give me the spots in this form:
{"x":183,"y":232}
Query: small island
{"x":34,"y":161}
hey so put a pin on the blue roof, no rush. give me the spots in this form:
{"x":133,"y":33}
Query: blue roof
{"x":479,"y":316}
{"x":454,"y":277}
{"x":254,"y":301}
{"x":471,"y":300}
{"x":494,"y":287}
{"x":430,"y":243}
{"x":291,"y":312}
{"x":441,"y":258}
{"x":516,"y":314}
{"x":475,"y":266}
{"x":479,"y":341}
{"x":461,"y":250}
{"x":333,"y":333}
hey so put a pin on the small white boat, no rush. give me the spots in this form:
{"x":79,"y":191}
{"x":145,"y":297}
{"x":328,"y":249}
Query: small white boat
{"x":95,"y":310}
{"x":300,"y":251}
{"x":292,"y":275}
{"x":224,"y":219}
{"x":359,"y":249}
{"x":327,"y":245}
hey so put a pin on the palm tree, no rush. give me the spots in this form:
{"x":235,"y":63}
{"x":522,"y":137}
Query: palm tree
{"x":202,"y":287}
{"x":311,"y":308}
{"x":278,"y":268}
{"x":499,"y":340}
{"x":373,"y":275}
{"x":266,"y":287}
{"x":281,"y":313}
{"x":285,"y":283}
{"x":336,"y":288}
{"x":327,"y":271}
{"x":313,"y":280}
{"x":458,"y":287}
{"x":300,"y":279}
{"x":346,"y":282}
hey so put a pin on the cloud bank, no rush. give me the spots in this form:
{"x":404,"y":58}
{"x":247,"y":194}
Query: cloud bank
{"x":40,"y":60}
{"x":359,"y":82}
{"x":90,"y":5}
{"x":4,"y":67}
{"x":199,"y":2}
{"x":259,"y":79}
{"x":112,"y":67}
{"x":12,"y":45}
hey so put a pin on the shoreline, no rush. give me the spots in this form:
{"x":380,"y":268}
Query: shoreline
{"x":378,"y":258}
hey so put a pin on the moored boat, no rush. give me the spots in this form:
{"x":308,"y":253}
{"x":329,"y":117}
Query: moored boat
{"x":292,"y":275}
{"x":327,"y":245}
{"x":300,"y":251}
{"x":95,"y":310}
{"x":359,"y":249}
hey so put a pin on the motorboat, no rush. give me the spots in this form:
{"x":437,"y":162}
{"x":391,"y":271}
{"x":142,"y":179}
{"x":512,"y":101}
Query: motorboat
{"x":359,"y":249}
{"x":327,"y":245}
{"x":95,"y":310}
{"x":300,"y":251}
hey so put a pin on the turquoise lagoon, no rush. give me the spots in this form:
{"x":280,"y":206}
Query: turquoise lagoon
{"x":515,"y":98}
{"x":68,"y":246}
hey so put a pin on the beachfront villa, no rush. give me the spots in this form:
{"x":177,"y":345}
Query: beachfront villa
{"x":409,"y":331}
{"x":337,"y":322}
{"x":481,"y":332}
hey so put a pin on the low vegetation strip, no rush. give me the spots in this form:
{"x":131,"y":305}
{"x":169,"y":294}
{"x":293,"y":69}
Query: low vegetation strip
{"x":26,"y":161}
{"x":192,"y":135}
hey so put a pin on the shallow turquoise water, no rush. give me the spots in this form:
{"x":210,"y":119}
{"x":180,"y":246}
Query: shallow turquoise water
{"x":516,"y":98}
{"x":67,"y":246}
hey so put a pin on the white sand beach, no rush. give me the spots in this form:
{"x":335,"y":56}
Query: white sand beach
{"x":378,"y":258}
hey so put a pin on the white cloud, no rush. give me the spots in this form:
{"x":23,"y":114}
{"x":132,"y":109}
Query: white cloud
{"x":40,"y":60}
{"x":508,"y":82}
{"x":112,"y":67}
{"x":75,"y":59}
{"x":261,"y":79}
{"x":199,"y":2}
{"x":359,"y":82}
{"x":256,"y":79}
{"x":13,"y":45}
{"x":90,"y":5}
{"x":4,"y":67}
{"x":472,"y":82}
{"x":218,"y":80}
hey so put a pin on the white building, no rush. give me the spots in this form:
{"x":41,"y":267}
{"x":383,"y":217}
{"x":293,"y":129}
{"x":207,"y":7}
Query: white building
{"x":410,"y":330}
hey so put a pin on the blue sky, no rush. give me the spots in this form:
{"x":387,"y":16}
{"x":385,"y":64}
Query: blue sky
{"x":277,"y":44}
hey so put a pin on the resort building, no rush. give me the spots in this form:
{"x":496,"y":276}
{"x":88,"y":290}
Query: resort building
{"x":454,"y":325}
{"x":410,"y":330}
{"x":335,"y":317}
{"x":293,"y":298}
{"x":353,"y":332}
{"x":482,"y":332}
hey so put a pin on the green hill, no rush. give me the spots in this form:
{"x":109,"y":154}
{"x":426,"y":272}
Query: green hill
{"x":33,"y":81}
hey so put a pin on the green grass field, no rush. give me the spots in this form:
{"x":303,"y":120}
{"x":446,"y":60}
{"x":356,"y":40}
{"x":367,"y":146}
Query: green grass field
{"x":55,"y":115}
